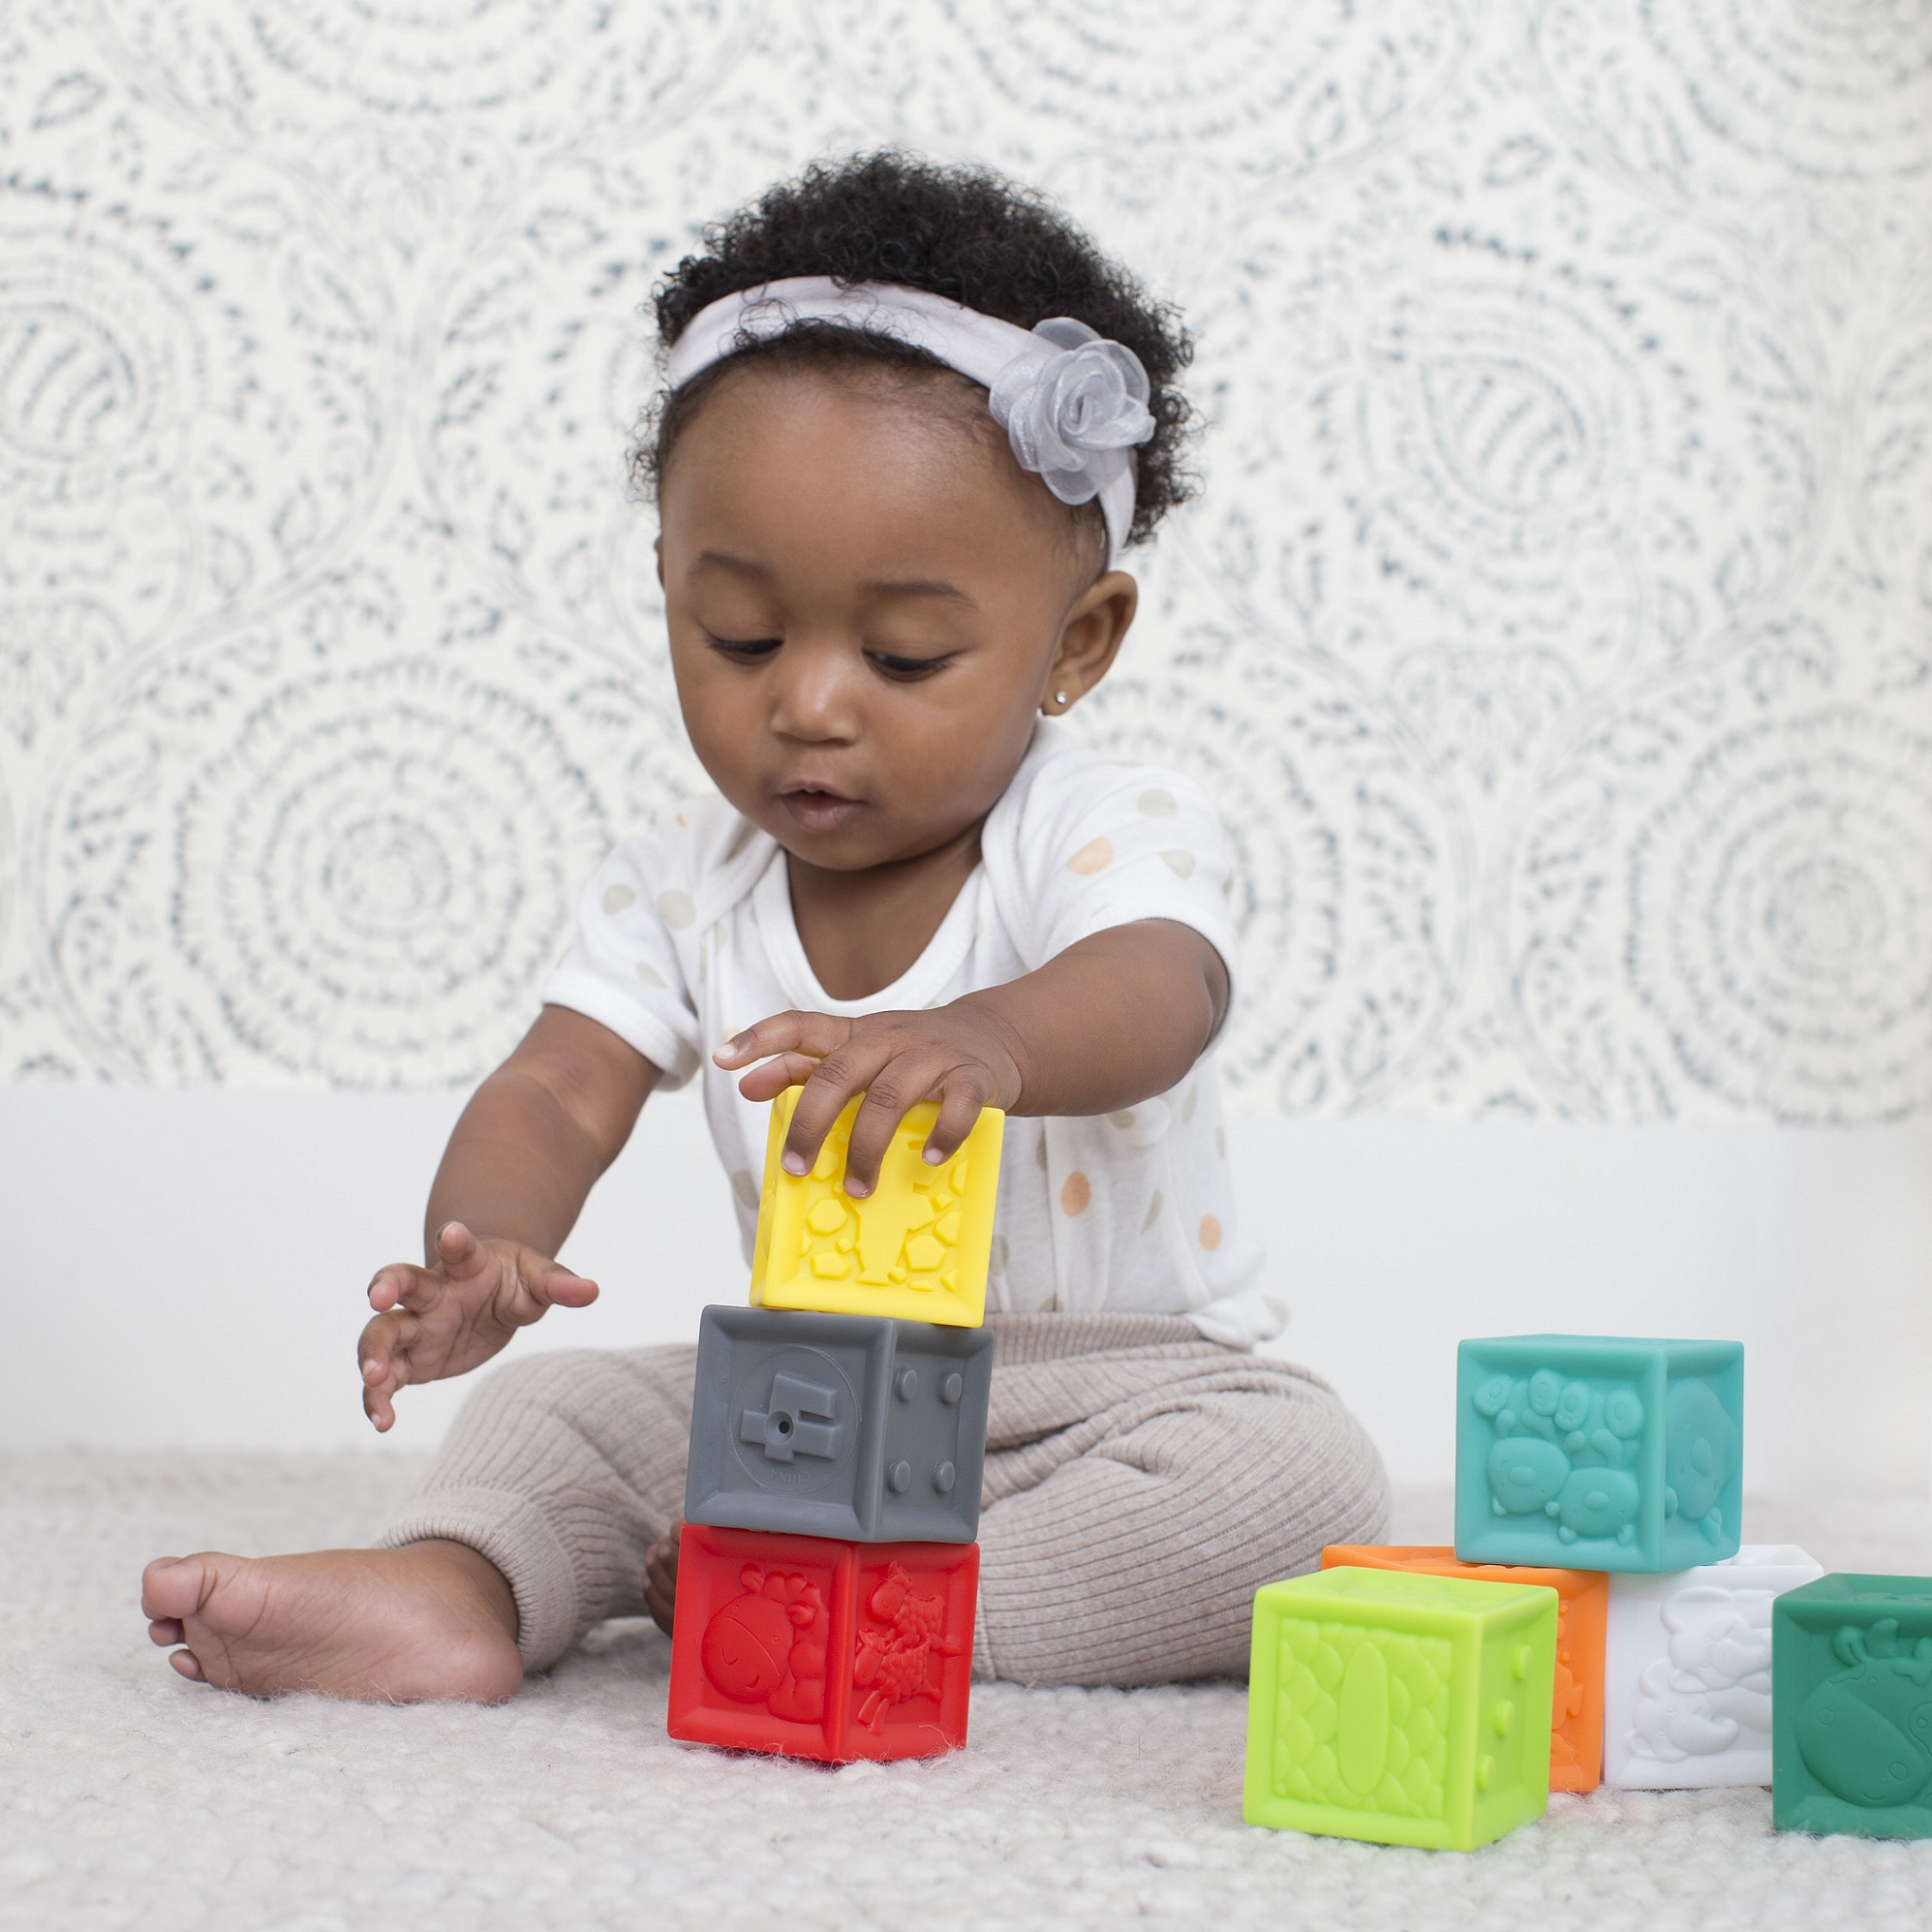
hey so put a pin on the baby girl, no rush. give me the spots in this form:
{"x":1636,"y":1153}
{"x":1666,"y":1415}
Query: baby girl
{"x":912,"y":423}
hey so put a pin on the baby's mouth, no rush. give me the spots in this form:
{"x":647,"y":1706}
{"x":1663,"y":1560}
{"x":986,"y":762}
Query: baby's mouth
{"x":816,"y":809}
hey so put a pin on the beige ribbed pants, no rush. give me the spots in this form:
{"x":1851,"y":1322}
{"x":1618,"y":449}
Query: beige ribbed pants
{"x":1141,"y":1483}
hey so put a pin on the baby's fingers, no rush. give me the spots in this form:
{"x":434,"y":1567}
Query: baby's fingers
{"x":401,"y":1285}
{"x":770,"y":1078}
{"x":541,"y":1284}
{"x":382,"y":1357}
{"x":834,"y":1083}
{"x":962,"y":1099}
{"x":900,"y":1085}
{"x":811,"y":1035}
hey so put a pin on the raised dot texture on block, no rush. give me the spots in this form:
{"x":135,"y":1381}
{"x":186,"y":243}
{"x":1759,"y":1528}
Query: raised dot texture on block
{"x":830,"y":1424}
{"x":1399,"y":1706}
{"x":917,"y":1247}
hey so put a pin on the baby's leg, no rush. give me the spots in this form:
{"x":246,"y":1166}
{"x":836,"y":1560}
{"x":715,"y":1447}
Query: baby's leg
{"x":1139,"y":1494}
{"x":561,"y":1470}
{"x":558,"y":1474}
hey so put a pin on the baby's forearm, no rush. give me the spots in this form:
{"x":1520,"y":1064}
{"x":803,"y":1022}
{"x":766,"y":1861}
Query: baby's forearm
{"x":537,"y":1133}
{"x":1110,"y":1021}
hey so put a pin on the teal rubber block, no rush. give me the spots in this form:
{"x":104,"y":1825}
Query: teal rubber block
{"x":1599,"y":1452}
{"x":1852,"y":1707}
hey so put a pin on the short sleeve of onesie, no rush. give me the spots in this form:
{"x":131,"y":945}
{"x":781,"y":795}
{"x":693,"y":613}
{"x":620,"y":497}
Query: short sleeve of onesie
{"x":628,"y":966}
{"x":1080,"y":844}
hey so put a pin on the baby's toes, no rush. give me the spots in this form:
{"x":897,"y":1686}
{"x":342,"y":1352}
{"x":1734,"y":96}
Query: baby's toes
{"x":190,"y":1667}
{"x":166,"y":1630}
{"x":170,"y":1588}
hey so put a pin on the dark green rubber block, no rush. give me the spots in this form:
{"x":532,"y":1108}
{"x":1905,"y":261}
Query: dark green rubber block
{"x":1852,"y":1707}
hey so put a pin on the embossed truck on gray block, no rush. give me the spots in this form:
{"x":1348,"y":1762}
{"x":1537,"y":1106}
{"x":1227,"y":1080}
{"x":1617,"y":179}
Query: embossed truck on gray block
{"x":1599,"y":1452}
{"x":849,"y":1426}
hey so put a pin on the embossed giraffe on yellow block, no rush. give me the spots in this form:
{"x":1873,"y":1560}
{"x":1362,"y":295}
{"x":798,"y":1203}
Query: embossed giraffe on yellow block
{"x":917,"y":1247}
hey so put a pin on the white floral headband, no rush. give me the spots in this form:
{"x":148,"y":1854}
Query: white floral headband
{"x":1072,"y":403}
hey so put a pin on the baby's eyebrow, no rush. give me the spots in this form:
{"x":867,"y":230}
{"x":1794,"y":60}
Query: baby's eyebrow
{"x":873,"y":587}
{"x":722,"y":559}
{"x":918,"y":586}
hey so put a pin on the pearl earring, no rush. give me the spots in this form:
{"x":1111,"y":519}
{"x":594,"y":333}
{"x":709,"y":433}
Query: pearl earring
{"x":1060,"y":699}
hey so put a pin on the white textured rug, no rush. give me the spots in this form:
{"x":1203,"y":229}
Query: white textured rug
{"x":128,"y":1797}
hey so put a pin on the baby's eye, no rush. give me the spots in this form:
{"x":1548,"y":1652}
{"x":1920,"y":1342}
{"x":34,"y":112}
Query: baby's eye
{"x":746,"y":650}
{"x":908,"y":668}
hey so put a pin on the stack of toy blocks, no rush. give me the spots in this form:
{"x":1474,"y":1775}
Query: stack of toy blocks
{"x":1624,"y":1460}
{"x":828,"y":1571}
{"x":1605,"y":1477}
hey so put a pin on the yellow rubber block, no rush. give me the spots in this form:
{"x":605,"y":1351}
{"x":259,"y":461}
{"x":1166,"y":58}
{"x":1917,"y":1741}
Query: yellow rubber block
{"x":916,"y":1248}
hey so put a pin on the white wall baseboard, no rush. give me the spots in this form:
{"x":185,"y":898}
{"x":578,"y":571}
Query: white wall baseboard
{"x":185,"y":1269}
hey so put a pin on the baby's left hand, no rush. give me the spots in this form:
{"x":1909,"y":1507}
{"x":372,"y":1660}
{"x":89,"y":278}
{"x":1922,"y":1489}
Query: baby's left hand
{"x":961,"y":1056}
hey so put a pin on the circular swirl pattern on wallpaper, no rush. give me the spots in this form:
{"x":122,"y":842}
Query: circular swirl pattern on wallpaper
{"x":545,"y":364}
{"x":1501,"y":437}
{"x":1828,"y":92}
{"x":1893,"y":475}
{"x":1782,"y":918}
{"x":1328,"y":82}
{"x":1324,"y":82}
{"x":379,"y":867}
{"x":366,"y":886}
{"x":152,"y":444}
{"x":539,"y":71}
{"x":1763,"y":893}
{"x":1345,"y":882}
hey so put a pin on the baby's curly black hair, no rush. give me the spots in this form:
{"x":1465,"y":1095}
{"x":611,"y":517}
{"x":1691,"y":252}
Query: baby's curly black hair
{"x":967,"y":234}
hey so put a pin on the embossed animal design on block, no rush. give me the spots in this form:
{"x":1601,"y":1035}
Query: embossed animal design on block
{"x":1408,"y":1708}
{"x":902,"y":1655}
{"x":1582,"y":1602}
{"x":767,"y":1646}
{"x":812,"y":1647}
{"x":1851,"y":1663}
{"x":1599,"y":1453}
{"x":917,"y":1246}
{"x":1687,"y":1680}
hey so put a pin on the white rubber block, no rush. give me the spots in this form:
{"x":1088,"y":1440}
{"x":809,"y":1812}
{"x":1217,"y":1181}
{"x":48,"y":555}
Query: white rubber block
{"x":1687,"y":1670}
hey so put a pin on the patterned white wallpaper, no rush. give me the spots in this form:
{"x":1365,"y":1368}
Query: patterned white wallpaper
{"x":1555,"y":627}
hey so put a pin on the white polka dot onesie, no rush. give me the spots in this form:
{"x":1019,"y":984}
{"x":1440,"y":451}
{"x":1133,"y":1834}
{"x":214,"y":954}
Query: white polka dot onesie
{"x":685,"y":937}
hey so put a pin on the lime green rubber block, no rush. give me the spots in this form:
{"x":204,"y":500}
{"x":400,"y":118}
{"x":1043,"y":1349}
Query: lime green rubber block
{"x":1852,"y":1707}
{"x":1404,"y":1708}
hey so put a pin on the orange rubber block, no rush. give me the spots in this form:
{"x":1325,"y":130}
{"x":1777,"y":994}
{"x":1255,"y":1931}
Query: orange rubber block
{"x":1582,"y":1612}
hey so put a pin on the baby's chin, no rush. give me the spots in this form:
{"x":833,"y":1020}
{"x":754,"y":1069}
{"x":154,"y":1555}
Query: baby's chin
{"x":864,"y":839}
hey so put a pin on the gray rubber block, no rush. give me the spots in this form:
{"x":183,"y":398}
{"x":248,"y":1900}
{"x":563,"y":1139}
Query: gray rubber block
{"x":856,"y":1427}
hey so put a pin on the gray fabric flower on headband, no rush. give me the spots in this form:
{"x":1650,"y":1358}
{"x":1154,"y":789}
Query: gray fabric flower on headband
{"x":1073,"y":407}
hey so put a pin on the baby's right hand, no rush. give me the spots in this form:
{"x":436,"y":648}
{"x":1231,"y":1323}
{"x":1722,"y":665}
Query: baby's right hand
{"x":443,"y":1321}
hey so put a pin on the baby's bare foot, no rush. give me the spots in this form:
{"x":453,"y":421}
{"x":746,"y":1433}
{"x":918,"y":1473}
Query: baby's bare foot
{"x":429,"y":1620}
{"x":660,"y":1579}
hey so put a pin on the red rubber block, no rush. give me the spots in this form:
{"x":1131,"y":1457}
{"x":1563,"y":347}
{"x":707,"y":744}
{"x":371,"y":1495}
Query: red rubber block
{"x":817,"y":1648}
